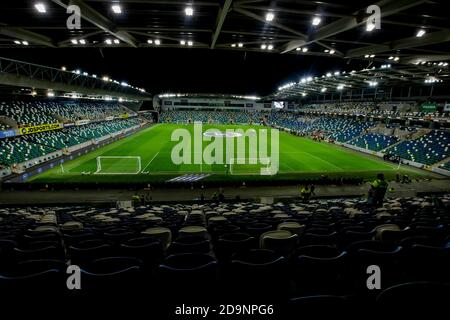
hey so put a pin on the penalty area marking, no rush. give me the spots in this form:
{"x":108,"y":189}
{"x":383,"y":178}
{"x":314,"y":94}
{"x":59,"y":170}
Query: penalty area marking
{"x":146,"y":172}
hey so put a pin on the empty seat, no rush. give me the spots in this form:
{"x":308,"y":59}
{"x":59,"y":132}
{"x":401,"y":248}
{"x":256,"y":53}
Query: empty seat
{"x":164,"y":235}
{"x":197,"y":231}
{"x":293,"y":227}
{"x":280,"y":241}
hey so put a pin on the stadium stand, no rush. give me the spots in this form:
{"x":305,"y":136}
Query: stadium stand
{"x":446,"y":166}
{"x":374,"y":141}
{"x":211,"y":116}
{"x":428,"y":149}
{"x":17,"y":150}
{"x":26,"y":113}
{"x":24,"y":148}
{"x":36,"y":112}
{"x":3,"y":126}
{"x":260,"y":252}
{"x":340,"y":129}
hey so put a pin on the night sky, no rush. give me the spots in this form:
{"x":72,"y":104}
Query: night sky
{"x":186,"y":70}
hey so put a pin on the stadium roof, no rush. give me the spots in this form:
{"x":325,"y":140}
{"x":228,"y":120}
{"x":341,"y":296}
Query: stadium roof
{"x":324,"y":28}
{"x":414,"y":38}
{"x":384,"y":75}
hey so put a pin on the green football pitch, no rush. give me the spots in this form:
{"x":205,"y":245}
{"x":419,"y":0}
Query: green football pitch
{"x":146,"y":157}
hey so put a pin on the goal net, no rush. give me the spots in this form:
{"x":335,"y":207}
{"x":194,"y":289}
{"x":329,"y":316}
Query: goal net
{"x":118,"y":165}
{"x":249,"y":166}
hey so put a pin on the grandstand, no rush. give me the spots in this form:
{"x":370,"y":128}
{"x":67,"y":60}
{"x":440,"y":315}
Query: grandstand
{"x":236,"y":159}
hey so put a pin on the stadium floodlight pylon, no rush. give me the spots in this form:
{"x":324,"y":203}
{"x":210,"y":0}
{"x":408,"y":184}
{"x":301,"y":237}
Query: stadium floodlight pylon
{"x":249,"y":166}
{"x":118,"y":165}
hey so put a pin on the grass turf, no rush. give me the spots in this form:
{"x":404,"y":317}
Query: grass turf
{"x":300,"y":158}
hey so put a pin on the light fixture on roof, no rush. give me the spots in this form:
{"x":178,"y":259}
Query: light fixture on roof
{"x":370,"y":27}
{"x":116,"y":8}
{"x":240,"y":44}
{"x":420,"y":33}
{"x":25,"y":43}
{"x":157,"y":42}
{"x":270,"y":16}
{"x":82,"y":41}
{"x":40,"y":7}
{"x":316,"y":21}
{"x":150,"y":41}
{"x":328,"y":74}
{"x":116,"y":41}
{"x":108,"y":41}
{"x":190,"y":43}
{"x":337,"y":73}
{"x":189,"y":11}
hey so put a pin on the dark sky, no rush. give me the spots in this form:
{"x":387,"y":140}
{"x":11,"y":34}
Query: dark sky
{"x":185,"y":70}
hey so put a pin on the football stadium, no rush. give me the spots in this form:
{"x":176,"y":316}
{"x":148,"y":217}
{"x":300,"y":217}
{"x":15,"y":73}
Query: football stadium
{"x":236,"y":159}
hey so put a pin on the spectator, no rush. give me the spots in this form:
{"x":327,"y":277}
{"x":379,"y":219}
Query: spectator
{"x":305,"y":193}
{"x":377,"y":191}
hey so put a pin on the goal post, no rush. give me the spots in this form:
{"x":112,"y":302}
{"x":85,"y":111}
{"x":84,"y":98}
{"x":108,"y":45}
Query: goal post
{"x":118,"y":165}
{"x":249,"y":166}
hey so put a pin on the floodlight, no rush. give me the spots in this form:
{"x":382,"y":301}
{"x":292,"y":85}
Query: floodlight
{"x":316,"y":21}
{"x":270,"y":16}
{"x":189,"y":11}
{"x":116,"y":9}
{"x":420,"y":33}
{"x":40,"y":7}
